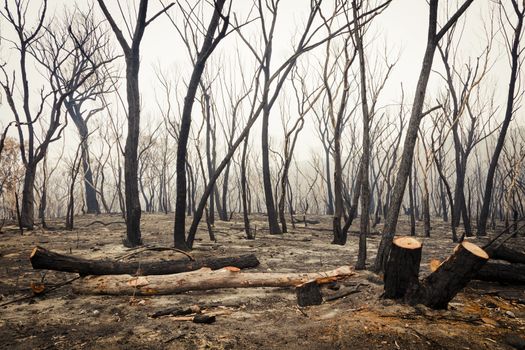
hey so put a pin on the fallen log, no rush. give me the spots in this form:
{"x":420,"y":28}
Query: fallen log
{"x":502,"y":273}
{"x":442,"y":285}
{"x":203,"y":279}
{"x":503,"y":252}
{"x":402,"y":270}
{"x":42,"y":258}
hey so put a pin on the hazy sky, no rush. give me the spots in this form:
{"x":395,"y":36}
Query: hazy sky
{"x":402,"y":28}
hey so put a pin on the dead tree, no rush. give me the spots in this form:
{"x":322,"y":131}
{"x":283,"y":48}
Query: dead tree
{"x":434,"y":36}
{"x":93,"y":45}
{"x":365,"y":159}
{"x":464,"y":136}
{"x":337,"y":91}
{"x":516,"y":60}
{"x":305,"y":101}
{"x":32,"y":43}
{"x":306,"y":44}
{"x":132,"y":56}
{"x":211,"y":40}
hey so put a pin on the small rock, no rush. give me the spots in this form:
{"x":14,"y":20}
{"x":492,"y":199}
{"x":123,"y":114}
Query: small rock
{"x":96,"y":312}
{"x":510,"y":314}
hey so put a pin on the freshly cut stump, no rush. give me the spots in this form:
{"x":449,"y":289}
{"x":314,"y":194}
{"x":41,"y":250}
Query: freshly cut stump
{"x":441,"y":286}
{"x":308,"y":294}
{"x":402,"y":270}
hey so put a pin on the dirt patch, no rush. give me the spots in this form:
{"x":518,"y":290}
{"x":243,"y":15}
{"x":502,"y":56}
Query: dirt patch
{"x":483,"y":316}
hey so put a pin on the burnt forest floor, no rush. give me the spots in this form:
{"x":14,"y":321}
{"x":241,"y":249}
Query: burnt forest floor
{"x":482,"y":316}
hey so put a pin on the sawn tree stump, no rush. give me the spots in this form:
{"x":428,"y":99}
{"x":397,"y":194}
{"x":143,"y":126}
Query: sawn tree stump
{"x":402,"y":269}
{"x":308,"y":294}
{"x":440,"y":287}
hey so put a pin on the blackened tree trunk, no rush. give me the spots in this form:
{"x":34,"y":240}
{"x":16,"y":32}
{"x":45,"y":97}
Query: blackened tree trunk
{"x":352,"y":212}
{"x":132,"y":56}
{"x":290,"y":140}
{"x":413,"y":128}
{"x":411,"y":202}
{"x":74,"y":112}
{"x":131,"y":186}
{"x":244,"y":190}
{"x":209,"y":44}
{"x":329,"y":193}
{"x":28,"y":197}
{"x":509,"y":112}
{"x":267,"y":178}
{"x":443,"y":201}
{"x":365,"y":159}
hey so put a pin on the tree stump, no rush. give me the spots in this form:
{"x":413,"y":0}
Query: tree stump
{"x":402,"y":270}
{"x":441,"y":286}
{"x":308,"y":294}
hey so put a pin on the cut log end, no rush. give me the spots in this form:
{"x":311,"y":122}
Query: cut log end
{"x":407,"y":243}
{"x":474,"y":249}
{"x":33,"y":252}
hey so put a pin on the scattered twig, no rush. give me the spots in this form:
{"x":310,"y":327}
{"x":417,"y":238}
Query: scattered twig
{"x":154,"y":249}
{"x":105,"y":224}
{"x":502,"y":233}
{"x":302,"y":311}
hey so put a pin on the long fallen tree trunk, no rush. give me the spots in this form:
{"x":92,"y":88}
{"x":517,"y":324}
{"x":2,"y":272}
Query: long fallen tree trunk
{"x":502,"y":273}
{"x":203,"y":279}
{"x":503,"y":252}
{"x":42,"y":258}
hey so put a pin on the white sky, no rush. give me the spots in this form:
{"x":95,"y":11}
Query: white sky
{"x":402,"y":27}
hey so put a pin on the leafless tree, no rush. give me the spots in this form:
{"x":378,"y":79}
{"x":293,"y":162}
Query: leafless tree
{"x":434,"y":36}
{"x":131,"y":52}
{"x":514,"y":96}
{"x":32,"y":43}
